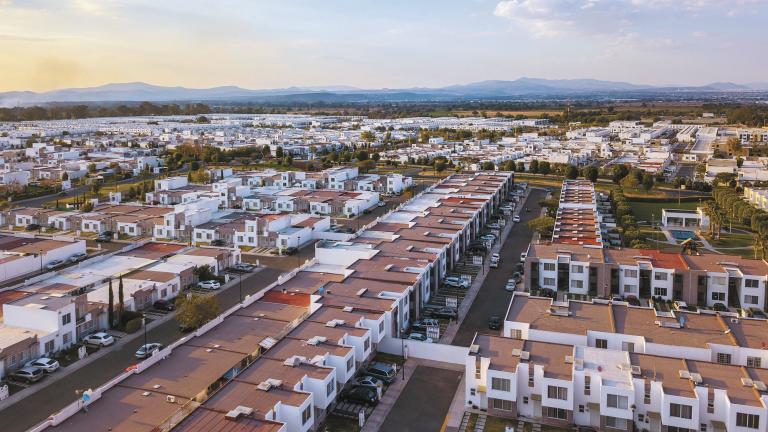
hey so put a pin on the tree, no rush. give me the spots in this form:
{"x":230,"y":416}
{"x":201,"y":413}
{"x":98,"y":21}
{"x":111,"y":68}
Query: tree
{"x":629,"y":182}
{"x":542,"y":225}
{"x":590,"y":173}
{"x":488,"y":166}
{"x":279,"y":152}
{"x":366,"y":165}
{"x":368,"y":136}
{"x":520,"y":167}
{"x":376,"y":156}
{"x":618,"y":172}
{"x":111,"y":306}
{"x":362,"y":155}
{"x":545,"y":167}
{"x":571,"y":172}
{"x":647,"y":181}
{"x":91,"y":167}
{"x":193,"y":311}
{"x":533,"y":167}
{"x":120,"y":301}
{"x":440,"y":166}
{"x":202,"y":119}
{"x":86,"y":207}
{"x":64,"y":176}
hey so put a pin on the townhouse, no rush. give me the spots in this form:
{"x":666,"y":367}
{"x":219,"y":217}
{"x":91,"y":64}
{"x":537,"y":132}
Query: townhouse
{"x":614,"y":366}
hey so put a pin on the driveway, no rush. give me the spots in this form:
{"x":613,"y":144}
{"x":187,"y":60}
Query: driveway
{"x":492,"y":298}
{"x":424,"y":403}
{"x":36,"y":407}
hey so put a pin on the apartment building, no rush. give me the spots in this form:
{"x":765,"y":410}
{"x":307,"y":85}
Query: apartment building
{"x":609,"y":366}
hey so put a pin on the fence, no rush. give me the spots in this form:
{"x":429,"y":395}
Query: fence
{"x":424,"y":350}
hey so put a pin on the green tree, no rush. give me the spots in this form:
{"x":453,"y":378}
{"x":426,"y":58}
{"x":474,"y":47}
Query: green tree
{"x":192,"y":311}
{"x":120,"y":301}
{"x":545,"y":167}
{"x":92,"y":168}
{"x":64,"y":176}
{"x":440,"y":166}
{"x":533,"y":167}
{"x":520,"y":167}
{"x":590,"y":173}
{"x":648,"y":181}
{"x":368,"y":136}
{"x":571,"y":172}
{"x":362,"y":155}
{"x":618,"y":172}
{"x":542,"y":225}
{"x":279,"y":152}
{"x":111,"y":306}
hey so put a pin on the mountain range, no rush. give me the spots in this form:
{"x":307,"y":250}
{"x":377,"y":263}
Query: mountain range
{"x":493,"y":89}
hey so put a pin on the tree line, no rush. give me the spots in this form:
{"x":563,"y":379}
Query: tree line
{"x":81,"y":111}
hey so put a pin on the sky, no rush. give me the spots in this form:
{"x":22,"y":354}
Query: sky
{"x":260,"y":44}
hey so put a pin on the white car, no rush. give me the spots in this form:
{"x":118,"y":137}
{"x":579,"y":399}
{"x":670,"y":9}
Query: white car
{"x":516,"y":219}
{"x":209,"y":285}
{"x":54,"y":264}
{"x":421,"y":337}
{"x":381,"y":204}
{"x":44,"y":363}
{"x":100,"y":338}
{"x":147,"y":350}
{"x":77,"y":257}
{"x":523,"y":256}
{"x":453,"y":281}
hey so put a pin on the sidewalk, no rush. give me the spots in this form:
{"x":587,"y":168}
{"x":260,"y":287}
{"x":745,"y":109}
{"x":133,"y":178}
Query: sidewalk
{"x":121,"y":339}
{"x":453,"y":327}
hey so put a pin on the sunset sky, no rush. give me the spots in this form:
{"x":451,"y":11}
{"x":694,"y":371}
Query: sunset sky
{"x":375,"y":44}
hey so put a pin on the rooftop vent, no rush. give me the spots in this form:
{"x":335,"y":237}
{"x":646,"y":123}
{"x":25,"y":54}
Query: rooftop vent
{"x":684,"y":374}
{"x":746,"y":382}
{"x":636,"y":370}
{"x":334,"y":323}
{"x":239,"y":411}
{"x":760,"y":386}
{"x":696,"y":378}
{"x":170,"y":399}
{"x":361,"y":291}
{"x":474,"y":349}
{"x":348,"y":309}
{"x":267,"y":343}
{"x":525,"y":355}
{"x":316,"y":340}
{"x":569,"y":359}
{"x":387,"y":267}
{"x":516,"y":352}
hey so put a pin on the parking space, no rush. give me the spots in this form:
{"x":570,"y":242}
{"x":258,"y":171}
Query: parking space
{"x":424,"y":402}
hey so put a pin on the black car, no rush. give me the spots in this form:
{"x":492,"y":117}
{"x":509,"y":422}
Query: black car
{"x":186,"y":329}
{"x":163,"y":305}
{"x":218,"y":242}
{"x":363,"y":395}
{"x":33,"y":226}
{"x":290,"y":251}
{"x":445,"y":312}
{"x":494,"y":323}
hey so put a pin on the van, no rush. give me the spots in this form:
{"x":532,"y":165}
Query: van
{"x":383,"y":371}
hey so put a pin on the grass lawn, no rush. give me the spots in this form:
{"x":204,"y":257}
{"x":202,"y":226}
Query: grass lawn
{"x":735,"y":240}
{"x":334,"y":423}
{"x":644,"y":210}
{"x":497,"y":424}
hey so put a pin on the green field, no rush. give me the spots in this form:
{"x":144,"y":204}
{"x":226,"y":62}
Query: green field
{"x":644,"y":211}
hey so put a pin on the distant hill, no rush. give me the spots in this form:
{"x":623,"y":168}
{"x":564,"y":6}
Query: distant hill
{"x":522,"y":87}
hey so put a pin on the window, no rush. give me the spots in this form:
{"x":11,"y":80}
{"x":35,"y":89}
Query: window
{"x":381,"y":328}
{"x":587,"y":385}
{"x":67,"y":339}
{"x":601,"y":343}
{"x":660,"y":292}
{"x":501,"y":404}
{"x":723,"y":358}
{"x":49,"y":346}
{"x":751,"y":299}
{"x":681,"y":411}
{"x":554,"y":413}
{"x":718,"y":280}
{"x":718,"y":296}
{"x":366,"y":344}
{"x":628,"y":289}
{"x":330,"y":387}
{"x":66,"y":319}
{"x":500,"y":384}
{"x":754,"y":362}
{"x":306,"y":414}
{"x":554,"y":392}
{"x":751,"y":421}
{"x":616,"y":401}
{"x":628,"y":346}
{"x":549,"y":282}
{"x":516,"y":334}
{"x":630,"y":273}
{"x":703,"y":427}
{"x":577,"y":269}
{"x":577,"y":283}
{"x":525,"y":400}
{"x":549,"y":266}
{"x":660,"y":276}
{"x":751,"y":283}
{"x":350,"y":363}
{"x":581,"y":408}
{"x":616,"y":423}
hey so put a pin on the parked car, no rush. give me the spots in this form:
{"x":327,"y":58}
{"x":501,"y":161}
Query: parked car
{"x":103,"y":239}
{"x":454,"y":281}
{"x":381,"y":204}
{"x":52,"y":265}
{"x":488,"y":238}
{"x":383,"y":371}
{"x":33,"y":227}
{"x":494,"y":226}
{"x":28,"y":375}
{"x":368,"y":381}
{"x":209,"y":285}
{"x":100,"y":338}
{"x":77,"y":257}
{"x":523,"y":256}
{"x":242,"y":267}
{"x":421,"y":337}
{"x":218,"y":242}
{"x":422,"y":324}
{"x":164,"y":305}
{"x":494,"y":323}
{"x":362,"y":395}
{"x":44,"y":363}
{"x":147,"y":350}
{"x":511,"y":285}
{"x":494,"y":262}
{"x":516,"y":219}
{"x":445,"y":312}
{"x":478,"y":249}
{"x":517,"y":277}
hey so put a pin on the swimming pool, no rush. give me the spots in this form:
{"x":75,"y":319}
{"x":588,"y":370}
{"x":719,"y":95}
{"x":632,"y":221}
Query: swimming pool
{"x":683,"y":235}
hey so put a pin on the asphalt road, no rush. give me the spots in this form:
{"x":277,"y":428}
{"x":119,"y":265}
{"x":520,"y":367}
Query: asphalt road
{"x":38,"y":406}
{"x":424,"y":402}
{"x":492,"y":298}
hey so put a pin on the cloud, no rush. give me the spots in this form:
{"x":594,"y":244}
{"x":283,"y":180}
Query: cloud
{"x":556,"y":18}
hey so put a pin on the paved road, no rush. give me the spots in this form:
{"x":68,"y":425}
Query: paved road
{"x":38,"y":406}
{"x":492,"y":299}
{"x":424,"y":402}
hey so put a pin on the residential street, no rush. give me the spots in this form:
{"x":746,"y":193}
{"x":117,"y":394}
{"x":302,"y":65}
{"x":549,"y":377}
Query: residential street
{"x":49,"y":398}
{"x":492,"y":299}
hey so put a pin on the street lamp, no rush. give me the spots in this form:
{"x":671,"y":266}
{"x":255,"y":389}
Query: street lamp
{"x":41,"y":261}
{"x":144,"y":322}
{"x":240,"y":279}
{"x":298,"y":253}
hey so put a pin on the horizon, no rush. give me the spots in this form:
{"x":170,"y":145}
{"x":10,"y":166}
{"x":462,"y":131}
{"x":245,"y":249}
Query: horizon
{"x":270,"y":44}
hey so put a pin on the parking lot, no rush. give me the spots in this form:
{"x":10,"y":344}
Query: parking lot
{"x":424,"y":402}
